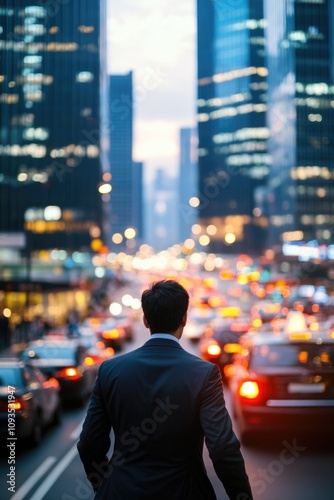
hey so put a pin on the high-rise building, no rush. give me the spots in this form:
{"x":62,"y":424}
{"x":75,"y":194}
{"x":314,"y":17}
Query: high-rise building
{"x":162,"y":211}
{"x":232,"y":151}
{"x":120,"y":153}
{"x":50,"y":121}
{"x":138,"y":197}
{"x":301,"y":120}
{"x":188,"y":180}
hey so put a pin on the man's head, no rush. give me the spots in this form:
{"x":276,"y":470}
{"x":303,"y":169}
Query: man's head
{"x":165,"y":306}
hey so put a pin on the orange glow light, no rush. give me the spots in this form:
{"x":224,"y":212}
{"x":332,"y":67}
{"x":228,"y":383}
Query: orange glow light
{"x":214,"y":350}
{"x":89,"y":361}
{"x":111,"y":334}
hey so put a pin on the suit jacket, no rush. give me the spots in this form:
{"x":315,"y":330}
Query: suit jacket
{"x":161,"y":402}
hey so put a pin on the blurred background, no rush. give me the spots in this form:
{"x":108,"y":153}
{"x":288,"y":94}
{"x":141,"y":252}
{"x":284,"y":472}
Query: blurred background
{"x":129,"y":130}
{"x":188,"y":140}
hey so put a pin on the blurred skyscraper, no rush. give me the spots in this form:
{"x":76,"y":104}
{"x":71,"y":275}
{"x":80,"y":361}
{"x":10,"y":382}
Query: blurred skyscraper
{"x":162,"y":212}
{"x":300,"y":49}
{"x":50,"y":164}
{"x":188,"y":180}
{"x":233,"y":159}
{"x":265,"y":120}
{"x":120,"y":155}
{"x":138,"y":197}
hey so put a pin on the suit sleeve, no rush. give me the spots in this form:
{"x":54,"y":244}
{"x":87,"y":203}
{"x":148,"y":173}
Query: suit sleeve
{"x":94,"y":440}
{"x":222,"y":444}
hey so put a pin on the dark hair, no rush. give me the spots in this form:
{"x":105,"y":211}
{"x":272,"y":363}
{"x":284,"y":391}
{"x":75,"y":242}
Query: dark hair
{"x":164,"y":305}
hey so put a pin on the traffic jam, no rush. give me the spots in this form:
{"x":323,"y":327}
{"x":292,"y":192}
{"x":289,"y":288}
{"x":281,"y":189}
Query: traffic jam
{"x":271,"y":337}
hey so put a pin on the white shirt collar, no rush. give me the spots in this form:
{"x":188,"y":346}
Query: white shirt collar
{"x":163,"y":336}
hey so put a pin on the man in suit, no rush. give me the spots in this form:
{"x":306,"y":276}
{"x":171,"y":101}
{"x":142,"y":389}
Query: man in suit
{"x":161,"y":402}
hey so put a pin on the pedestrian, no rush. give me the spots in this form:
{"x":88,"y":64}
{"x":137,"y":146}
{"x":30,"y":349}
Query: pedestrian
{"x":161,"y":402}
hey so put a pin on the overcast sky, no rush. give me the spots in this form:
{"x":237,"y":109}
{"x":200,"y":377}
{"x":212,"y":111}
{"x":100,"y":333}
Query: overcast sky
{"x":157,"y":40}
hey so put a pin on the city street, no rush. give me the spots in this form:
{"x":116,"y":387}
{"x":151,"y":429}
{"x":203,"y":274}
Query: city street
{"x":289,"y":467}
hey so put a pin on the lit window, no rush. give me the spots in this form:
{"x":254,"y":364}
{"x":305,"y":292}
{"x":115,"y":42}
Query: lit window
{"x":84,"y":77}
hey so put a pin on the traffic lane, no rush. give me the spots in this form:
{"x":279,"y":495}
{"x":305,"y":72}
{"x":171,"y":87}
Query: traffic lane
{"x":290,"y":466}
{"x":277,"y":468}
{"x":32,"y":465}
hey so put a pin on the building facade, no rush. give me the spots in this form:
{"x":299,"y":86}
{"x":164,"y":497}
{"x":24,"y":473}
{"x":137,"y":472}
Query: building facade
{"x":50,"y":121}
{"x":300,"y":48}
{"x":232,"y":152}
{"x":120,"y":154}
{"x":188,"y":182}
{"x":138,"y":197}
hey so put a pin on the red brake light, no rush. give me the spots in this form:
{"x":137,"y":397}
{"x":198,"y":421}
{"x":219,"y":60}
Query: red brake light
{"x":249,"y":390}
{"x":71,"y":373}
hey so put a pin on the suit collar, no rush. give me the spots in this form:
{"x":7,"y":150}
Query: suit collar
{"x":162,"y":342}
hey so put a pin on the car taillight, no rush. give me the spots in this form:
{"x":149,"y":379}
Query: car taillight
{"x":213,"y":350}
{"x":19,"y":404}
{"x":71,"y":373}
{"x":249,"y":389}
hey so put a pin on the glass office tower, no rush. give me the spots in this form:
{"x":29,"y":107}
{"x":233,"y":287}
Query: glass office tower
{"x":120,"y":154}
{"x":50,"y":121}
{"x":233,"y":160}
{"x":301,"y":120}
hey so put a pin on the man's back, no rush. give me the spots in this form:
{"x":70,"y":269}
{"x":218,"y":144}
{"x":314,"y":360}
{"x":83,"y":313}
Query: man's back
{"x":160,"y":401}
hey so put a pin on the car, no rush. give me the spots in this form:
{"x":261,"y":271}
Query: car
{"x":66,"y":360}
{"x":284,"y":381}
{"x":112,"y":333}
{"x":108,"y":330}
{"x":220,"y":341}
{"x":95,"y":348}
{"x":198,"y":319}
{"x":29,"y":402}
{"x":126,"y":323}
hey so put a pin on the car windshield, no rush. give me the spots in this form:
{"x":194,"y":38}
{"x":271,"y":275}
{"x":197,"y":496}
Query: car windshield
{"x":292,"y":355}
{"x":10,"y":376}
{"x":51,"y":351}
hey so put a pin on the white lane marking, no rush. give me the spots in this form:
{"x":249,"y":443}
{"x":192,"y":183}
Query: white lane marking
{"x":33,"y":479}
{"x":76,"y":433}
{"x":56,"y":472}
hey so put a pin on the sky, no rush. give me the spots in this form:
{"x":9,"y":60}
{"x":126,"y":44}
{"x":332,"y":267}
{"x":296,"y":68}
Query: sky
{"x":157,"y":40}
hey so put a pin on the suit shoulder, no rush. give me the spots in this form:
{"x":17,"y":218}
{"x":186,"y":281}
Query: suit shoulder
{"x":199,"y":362}
{"x":119,"y":359}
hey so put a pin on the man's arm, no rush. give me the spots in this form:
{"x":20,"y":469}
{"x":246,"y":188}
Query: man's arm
{"x":94,"y":440}
{"x":222,"y":443}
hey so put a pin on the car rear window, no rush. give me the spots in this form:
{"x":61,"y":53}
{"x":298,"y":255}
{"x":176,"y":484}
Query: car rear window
{"x":293,"y":355}
{"x":10,"y":376}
